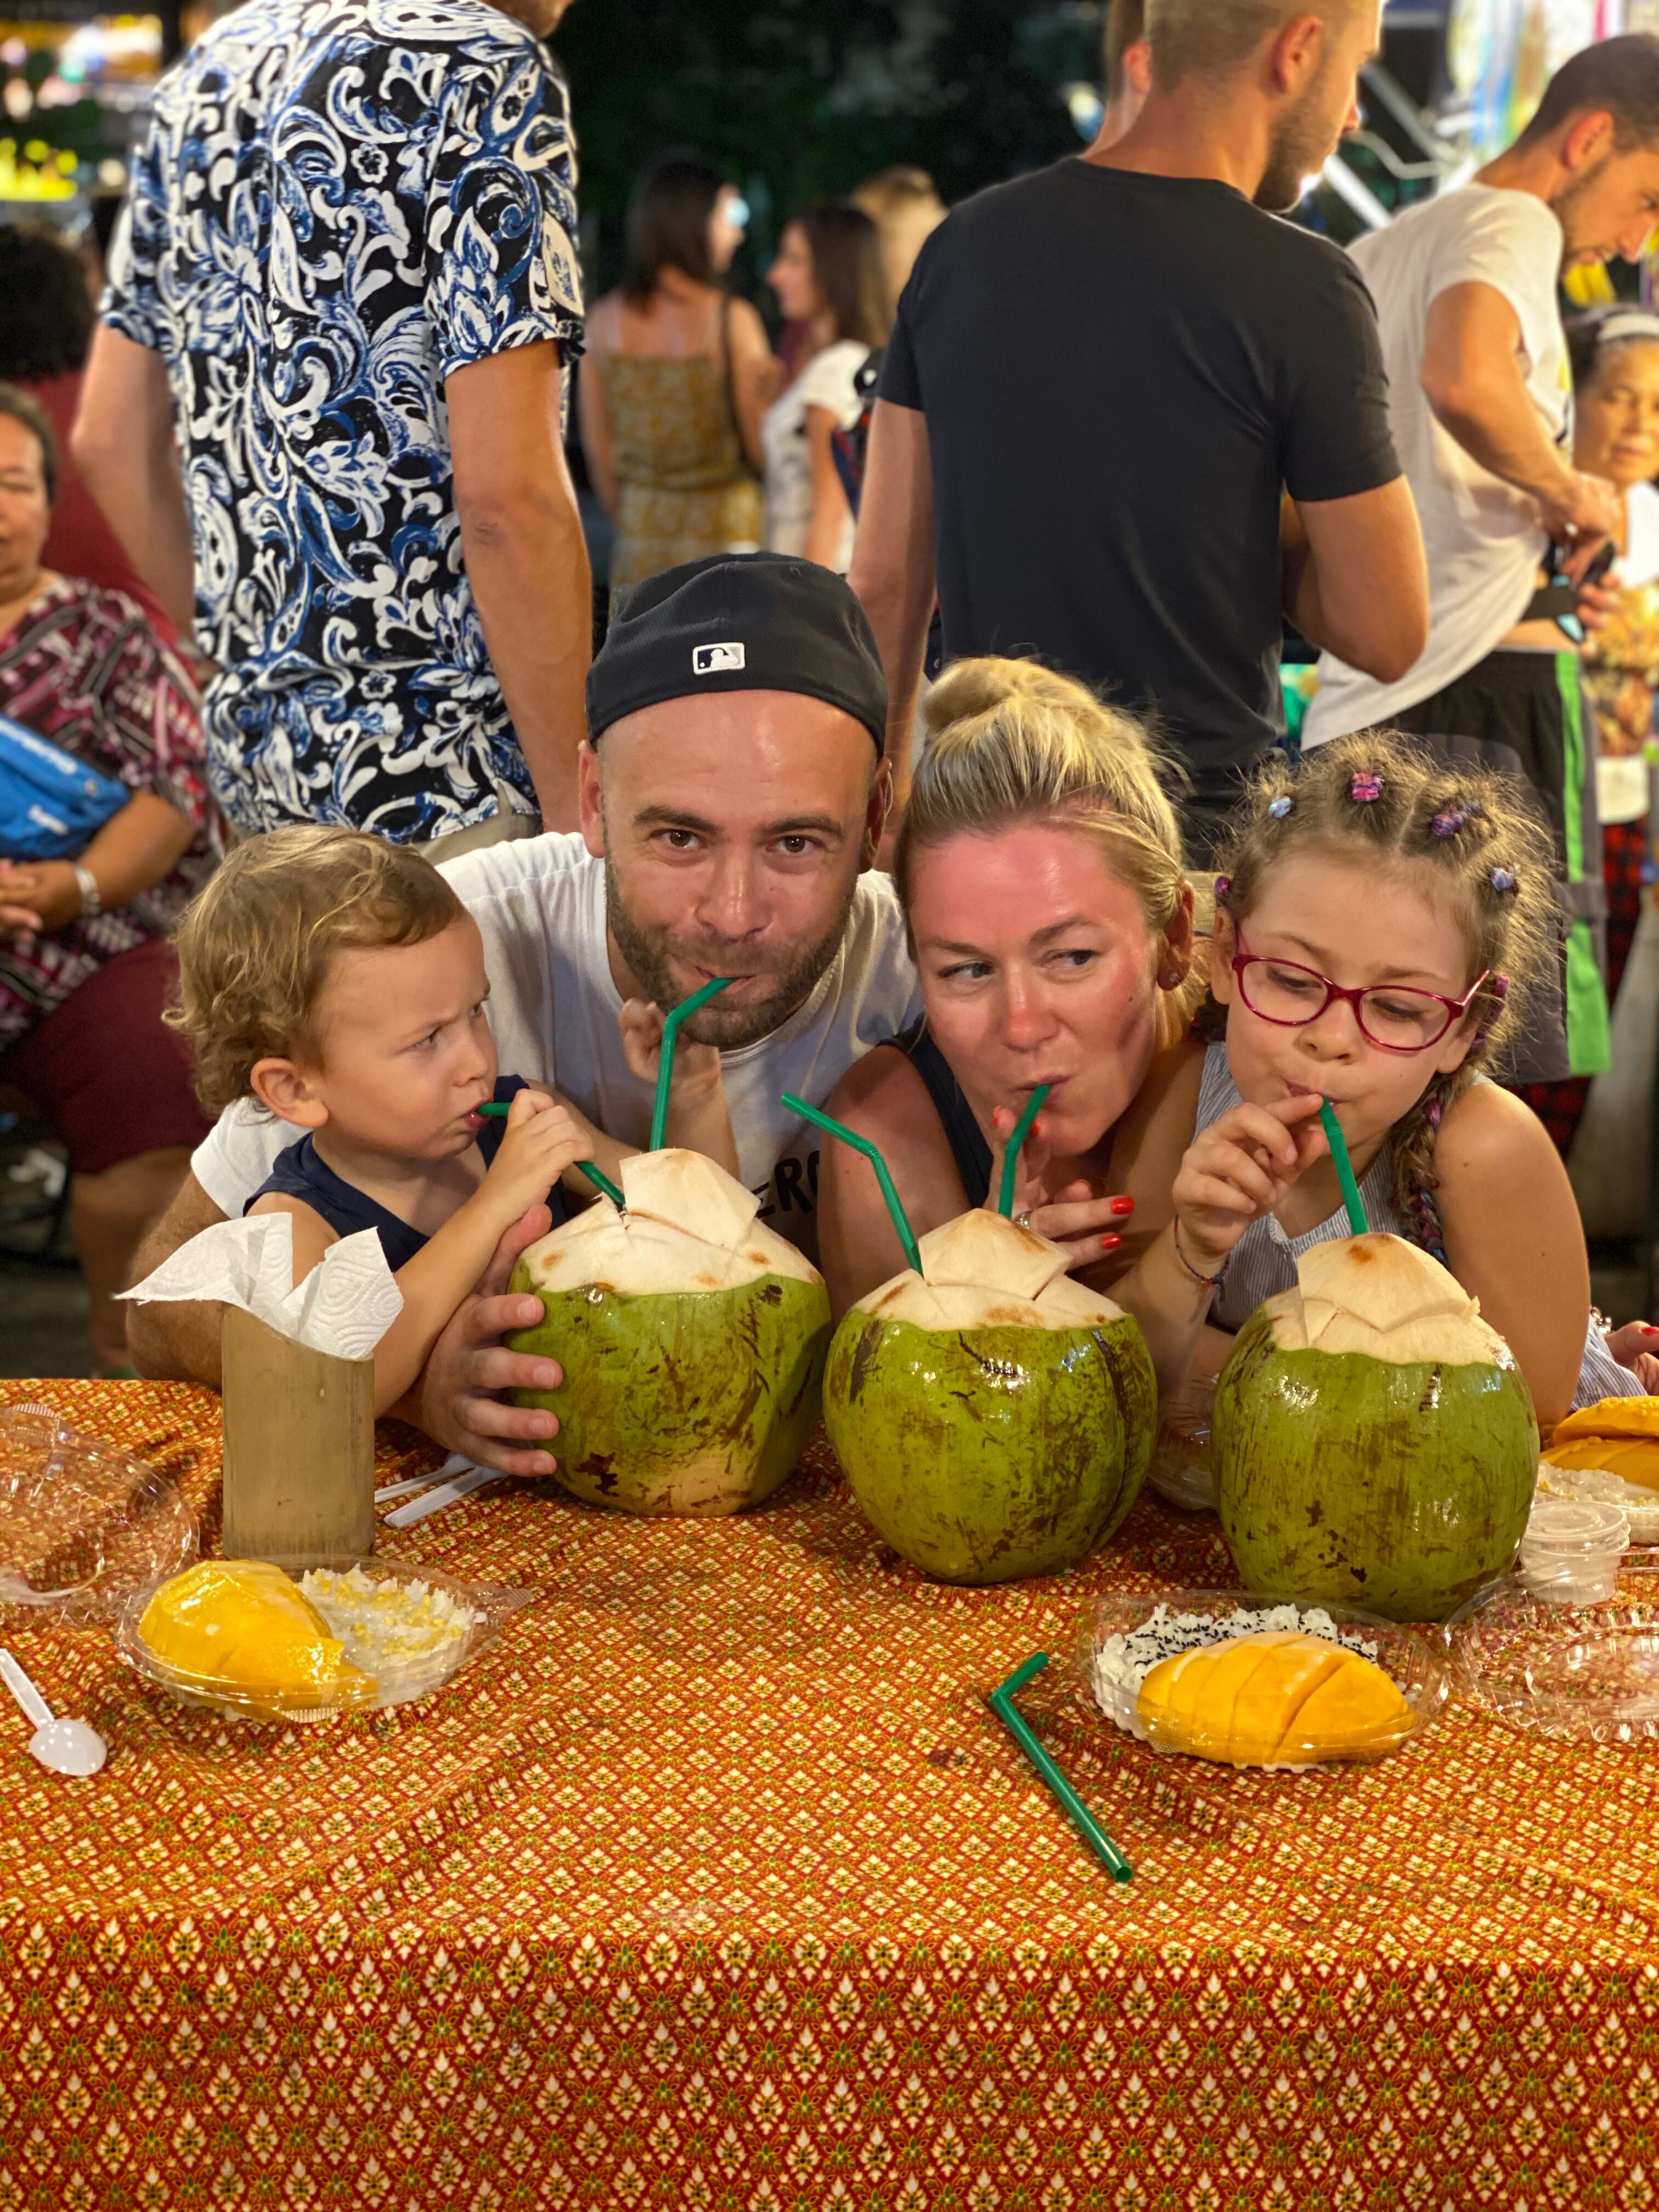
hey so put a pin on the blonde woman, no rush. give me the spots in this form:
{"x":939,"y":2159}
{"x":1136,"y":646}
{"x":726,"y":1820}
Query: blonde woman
{"x":1039,"y":868}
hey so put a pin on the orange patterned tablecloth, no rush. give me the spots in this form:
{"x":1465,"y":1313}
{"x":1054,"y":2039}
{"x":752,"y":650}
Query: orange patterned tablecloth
{"x":713,"y":1885}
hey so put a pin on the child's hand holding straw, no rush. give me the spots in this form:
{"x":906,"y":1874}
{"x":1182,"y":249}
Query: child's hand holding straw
{"x":541,"y":1141}
{"x":1236,"y":1170}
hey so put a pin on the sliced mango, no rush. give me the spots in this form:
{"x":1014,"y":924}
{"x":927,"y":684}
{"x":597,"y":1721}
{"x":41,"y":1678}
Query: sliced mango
{"x":241,"y":1625}
{"x":1277,"y":1698}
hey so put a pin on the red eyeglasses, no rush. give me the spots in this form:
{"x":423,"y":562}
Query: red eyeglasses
{"x":1394,"y":1017}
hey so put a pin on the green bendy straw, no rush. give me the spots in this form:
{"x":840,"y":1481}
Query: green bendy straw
{"x":671,"y":1030}
{"x":1338,"y":1146}
{"x":901,"y":1220}
{"x":1011,"y":1157}
{"x":601,"y":1180}
{"x":1001,"y":1702}
{"x":602,"y":1183}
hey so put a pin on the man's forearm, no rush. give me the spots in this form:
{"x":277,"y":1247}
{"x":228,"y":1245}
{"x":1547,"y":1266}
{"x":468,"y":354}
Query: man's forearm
{"x":1498,"y":427}
{"x":892,"y":570}
{"x":124,"y":446}
{"x":900,"y":629}
{"x":527,"y":560}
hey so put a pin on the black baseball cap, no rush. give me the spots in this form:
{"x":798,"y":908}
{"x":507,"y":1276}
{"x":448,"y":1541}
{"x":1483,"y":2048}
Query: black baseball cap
{"x":738,"y":622}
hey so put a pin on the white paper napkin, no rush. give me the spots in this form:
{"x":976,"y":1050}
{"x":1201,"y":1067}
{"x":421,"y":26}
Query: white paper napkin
{"x":344,"y":1307}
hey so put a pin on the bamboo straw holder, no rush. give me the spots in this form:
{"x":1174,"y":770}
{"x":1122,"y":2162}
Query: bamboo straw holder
{"x":299,"y":1460}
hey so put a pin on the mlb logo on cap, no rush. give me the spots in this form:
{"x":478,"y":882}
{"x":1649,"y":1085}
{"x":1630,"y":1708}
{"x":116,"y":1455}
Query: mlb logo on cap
{"x":715,"y":659}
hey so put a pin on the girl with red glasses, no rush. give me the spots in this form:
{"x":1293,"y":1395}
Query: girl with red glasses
{"x":1382,"y":923}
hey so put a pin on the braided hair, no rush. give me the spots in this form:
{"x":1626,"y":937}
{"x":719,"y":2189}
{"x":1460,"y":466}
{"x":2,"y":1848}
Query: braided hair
{"x":1473,"y":839}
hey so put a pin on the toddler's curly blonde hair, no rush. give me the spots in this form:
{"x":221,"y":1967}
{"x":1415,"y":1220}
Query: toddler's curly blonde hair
{"x":255,"y":945}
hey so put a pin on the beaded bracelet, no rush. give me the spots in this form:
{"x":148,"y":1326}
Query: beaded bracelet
{"x":1209,"y":1282}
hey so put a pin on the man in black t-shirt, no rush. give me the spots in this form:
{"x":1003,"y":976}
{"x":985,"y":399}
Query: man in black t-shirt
{"x":1128,"y":418}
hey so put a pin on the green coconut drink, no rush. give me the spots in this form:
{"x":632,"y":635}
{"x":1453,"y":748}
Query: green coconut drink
{"x":692,"y":1338}
{"x":1374,"y":1442}
{"x":995,"y":1418}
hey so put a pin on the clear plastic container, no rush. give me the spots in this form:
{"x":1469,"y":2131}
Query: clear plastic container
{"x":1173,"y":1620}
{"x":1182,"y":1470}
{"x":1571,"y":1551}
{"x":1580,"y":1675}
{"x":1639,"y":1504}
{"x":407,"y":1631}
{"x":83,"y":1523}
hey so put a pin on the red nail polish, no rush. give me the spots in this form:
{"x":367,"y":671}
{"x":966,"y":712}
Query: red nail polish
{"x":1122,"y":1206}
{"x":1110,"y":1243}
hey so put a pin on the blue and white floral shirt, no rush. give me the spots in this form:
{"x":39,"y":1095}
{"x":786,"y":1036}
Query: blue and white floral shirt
{"x":340,"y":203}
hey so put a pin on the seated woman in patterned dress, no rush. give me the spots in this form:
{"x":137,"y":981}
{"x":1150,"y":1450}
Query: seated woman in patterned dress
{"x":85,"y":964}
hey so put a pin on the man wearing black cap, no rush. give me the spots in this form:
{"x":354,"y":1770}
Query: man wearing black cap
{"x":733,"y":792}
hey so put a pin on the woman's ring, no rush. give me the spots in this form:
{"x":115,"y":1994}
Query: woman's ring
{"x":1022,"y":1221}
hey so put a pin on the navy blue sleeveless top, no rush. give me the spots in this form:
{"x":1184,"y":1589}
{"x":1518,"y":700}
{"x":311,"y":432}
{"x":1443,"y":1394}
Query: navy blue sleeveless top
{"x":968,"y":1148}
{"x":299,"y":1173}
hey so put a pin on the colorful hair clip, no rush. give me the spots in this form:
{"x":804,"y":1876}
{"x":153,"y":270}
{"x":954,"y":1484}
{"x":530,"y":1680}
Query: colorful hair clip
{"x":1504,"y":879}
{"x":1431,"y":1113}
{"x":1499,"y":987}
{"x":1279,"y":807}
{"x":1448,"y":824}
{"x":1366,"y":786}
{"x":1223,"y":885}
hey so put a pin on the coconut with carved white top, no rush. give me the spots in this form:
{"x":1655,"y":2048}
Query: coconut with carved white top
{"x":1374,"y":1439}
{"x":995,"y":1418}
{"x":692,"y":1339}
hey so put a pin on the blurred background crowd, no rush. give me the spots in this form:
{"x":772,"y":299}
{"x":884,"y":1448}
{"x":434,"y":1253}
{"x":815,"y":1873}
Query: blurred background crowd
{"x":665,"y":254}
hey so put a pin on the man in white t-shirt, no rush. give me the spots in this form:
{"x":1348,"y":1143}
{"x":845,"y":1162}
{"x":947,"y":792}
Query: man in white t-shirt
{"x":733,"y":793}
{"x":1480,"y":406}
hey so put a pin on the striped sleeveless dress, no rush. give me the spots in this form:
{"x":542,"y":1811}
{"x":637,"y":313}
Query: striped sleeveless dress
{"x":1264,"y":1259}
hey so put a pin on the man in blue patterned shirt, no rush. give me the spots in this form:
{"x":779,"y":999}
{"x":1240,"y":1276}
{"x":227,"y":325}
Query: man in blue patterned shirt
{"x":327,"y":403}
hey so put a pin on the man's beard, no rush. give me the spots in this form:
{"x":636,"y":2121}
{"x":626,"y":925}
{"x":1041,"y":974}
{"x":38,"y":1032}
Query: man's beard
{"x":648,"y":952}
{"x":1299,"y":149}
{"x":1565,"y":205}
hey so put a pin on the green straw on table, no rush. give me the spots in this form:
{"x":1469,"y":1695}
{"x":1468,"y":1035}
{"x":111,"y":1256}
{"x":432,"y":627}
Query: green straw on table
{"x":901,"y":1219}
{"x":1011,"y":1157}
{"x":1001,"y":1702}
{"x":599,"y":1179}
{"x":670,"y":1031}
{"x":1338,"y":1146}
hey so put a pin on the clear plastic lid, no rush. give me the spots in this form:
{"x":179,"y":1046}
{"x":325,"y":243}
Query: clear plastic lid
{"x":308,"y":1640}
{"x":1182,"y":1470}
{"x":1639,"y":1505}
{"x":83,"y":1523}
{"x":1571,"y":1526}
{"x":1122,"y":1639}
{"x":1581,"y":1674}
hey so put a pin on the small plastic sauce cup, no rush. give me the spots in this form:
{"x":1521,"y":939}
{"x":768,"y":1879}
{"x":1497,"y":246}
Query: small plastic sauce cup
{"x":1571,"y":1552}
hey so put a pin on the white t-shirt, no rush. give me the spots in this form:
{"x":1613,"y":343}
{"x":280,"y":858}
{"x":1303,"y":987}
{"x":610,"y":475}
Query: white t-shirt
{"x":553,"y":1010}
{"x":826,"y":381}
{"x":1484,"y":539}
{"x":1622,"y":780}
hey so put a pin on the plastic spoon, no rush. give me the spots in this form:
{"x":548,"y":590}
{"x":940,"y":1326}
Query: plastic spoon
{"x":461,"y":1486}
{"x":65,"y":1747}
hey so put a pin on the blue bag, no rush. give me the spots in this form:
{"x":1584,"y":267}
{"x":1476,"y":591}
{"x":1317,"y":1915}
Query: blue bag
{"x":52,"y":805}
